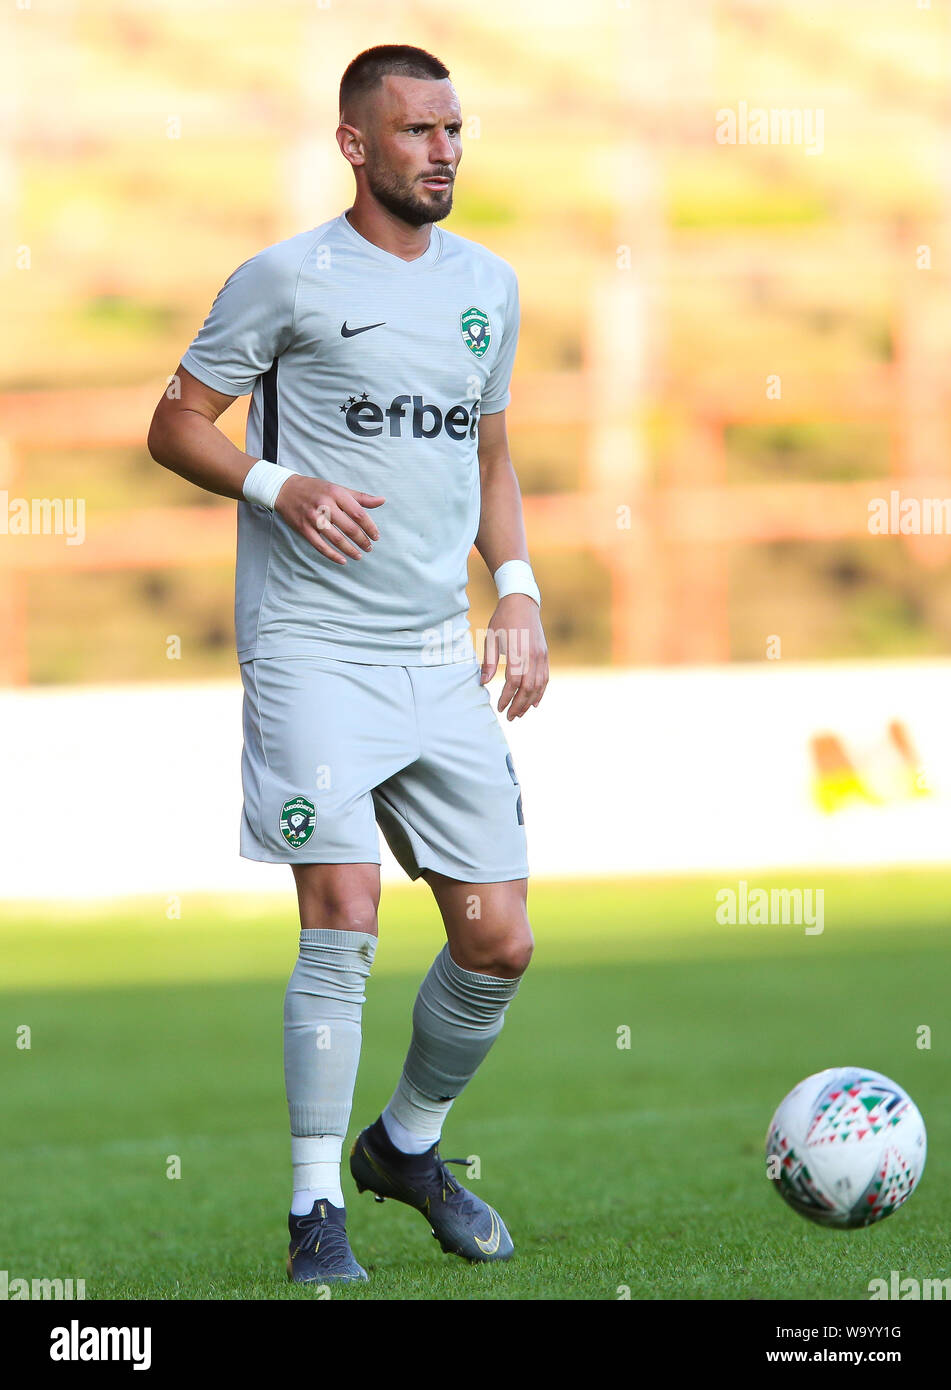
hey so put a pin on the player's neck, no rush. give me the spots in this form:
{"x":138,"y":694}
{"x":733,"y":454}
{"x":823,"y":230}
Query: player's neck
{"x":378,"y":225}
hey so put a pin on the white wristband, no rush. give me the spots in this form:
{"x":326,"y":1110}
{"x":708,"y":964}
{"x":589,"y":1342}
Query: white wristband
{"x":264,"y":482}
{"x":516,"y":577}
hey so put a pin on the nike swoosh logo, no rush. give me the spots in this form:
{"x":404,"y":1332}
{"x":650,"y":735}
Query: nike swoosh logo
{"x":346,"y":332}
{"x":489,"y":1247}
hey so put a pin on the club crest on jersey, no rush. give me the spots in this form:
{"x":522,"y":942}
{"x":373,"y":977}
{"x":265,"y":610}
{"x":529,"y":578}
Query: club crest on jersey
{"x":298,"y":820}
{"x":475,"y":331}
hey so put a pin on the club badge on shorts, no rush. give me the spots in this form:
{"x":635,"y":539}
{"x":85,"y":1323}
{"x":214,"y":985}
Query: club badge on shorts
{"x":475,"y":331}
{"x":298,"y":821}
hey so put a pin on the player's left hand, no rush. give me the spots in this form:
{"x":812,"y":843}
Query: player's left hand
{"x":515,"y":632}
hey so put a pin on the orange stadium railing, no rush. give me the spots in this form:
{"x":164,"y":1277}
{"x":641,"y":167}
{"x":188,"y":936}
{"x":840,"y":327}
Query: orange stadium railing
{"x":665,"y":545}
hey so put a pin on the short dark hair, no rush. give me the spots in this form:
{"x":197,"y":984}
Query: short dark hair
{"x":387,"y":60}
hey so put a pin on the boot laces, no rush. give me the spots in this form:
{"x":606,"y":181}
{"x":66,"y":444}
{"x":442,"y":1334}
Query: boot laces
{"x":448,"y":1185}
{"x":314,"y":1228}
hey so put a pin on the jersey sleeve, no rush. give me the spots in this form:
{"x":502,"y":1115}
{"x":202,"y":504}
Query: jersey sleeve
{"x":249,"y":324}
{"x":497,"y":395}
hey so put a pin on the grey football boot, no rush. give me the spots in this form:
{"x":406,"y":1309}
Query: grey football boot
{"x":319,"y":1252}
{"x":461,"y":1222}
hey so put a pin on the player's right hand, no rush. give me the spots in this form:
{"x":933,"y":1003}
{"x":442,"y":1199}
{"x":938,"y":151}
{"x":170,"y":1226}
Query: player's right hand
{"x":331,"y":517}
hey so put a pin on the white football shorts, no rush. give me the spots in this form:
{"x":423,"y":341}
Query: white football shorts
{"x":334,"y":748}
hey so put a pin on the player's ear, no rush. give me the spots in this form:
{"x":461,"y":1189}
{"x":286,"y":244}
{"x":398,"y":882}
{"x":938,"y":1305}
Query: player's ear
{"x":351,"y":144}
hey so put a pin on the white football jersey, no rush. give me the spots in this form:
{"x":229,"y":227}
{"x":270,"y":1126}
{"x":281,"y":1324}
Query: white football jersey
{"x":372,"y":372}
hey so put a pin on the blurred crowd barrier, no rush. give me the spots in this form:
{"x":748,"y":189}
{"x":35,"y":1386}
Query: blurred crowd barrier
{"x":734,"y":770}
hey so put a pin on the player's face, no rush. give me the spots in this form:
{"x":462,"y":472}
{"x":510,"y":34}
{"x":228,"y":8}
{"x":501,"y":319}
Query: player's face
{"x":413,"y":148}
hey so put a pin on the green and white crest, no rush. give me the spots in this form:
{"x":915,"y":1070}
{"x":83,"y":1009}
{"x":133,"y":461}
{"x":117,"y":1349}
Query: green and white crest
{"x":475,"y":331}
{"x":298,"y":821}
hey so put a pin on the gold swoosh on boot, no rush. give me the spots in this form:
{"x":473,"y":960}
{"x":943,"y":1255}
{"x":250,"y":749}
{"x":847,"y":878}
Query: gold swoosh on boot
{"x":489,"y":1247}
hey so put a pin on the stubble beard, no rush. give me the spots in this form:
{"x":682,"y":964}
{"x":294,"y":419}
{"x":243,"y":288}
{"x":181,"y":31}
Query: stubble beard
{"x":399,"y":197}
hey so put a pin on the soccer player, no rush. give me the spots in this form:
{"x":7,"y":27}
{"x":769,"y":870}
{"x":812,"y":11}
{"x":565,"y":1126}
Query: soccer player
{"x":377,"y":350}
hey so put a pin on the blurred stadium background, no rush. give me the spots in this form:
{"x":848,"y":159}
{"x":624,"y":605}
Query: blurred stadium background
{"x":728,"y":351}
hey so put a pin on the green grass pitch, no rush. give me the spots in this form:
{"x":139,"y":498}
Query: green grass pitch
{"x":614,"y":1168}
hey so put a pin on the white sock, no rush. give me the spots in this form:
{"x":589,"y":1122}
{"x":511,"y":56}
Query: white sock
{"x":316,"y":1160}
{"x":413,"y":1121}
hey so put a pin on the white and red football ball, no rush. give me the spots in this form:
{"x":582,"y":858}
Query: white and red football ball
{"x":846,"y":1147}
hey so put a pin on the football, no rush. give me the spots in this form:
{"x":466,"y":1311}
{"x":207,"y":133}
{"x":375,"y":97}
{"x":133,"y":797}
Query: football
{"x":846,"y":1147}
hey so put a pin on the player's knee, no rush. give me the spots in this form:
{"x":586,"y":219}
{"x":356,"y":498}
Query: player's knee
{"x":519,"y":951}
{"x":356,"y":912}
{"x":510,"y":954}
{"x":336,"y":910}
